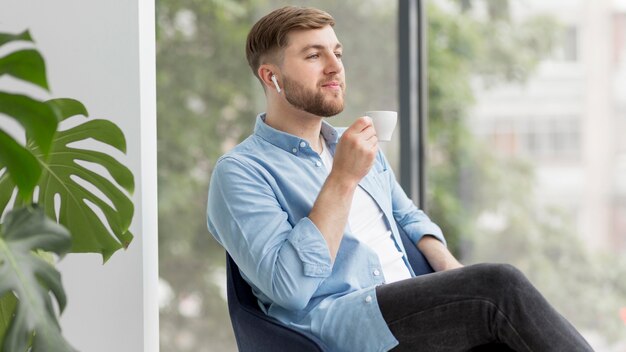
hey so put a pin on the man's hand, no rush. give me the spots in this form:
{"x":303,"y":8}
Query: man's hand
{"x":355,"y":152}
{"x":353,"y":159}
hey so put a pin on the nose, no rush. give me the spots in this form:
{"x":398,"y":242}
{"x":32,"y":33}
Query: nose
{"x":333,"y":65}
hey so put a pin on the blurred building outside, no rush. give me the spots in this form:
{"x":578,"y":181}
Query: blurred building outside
{"x":569,"y":119}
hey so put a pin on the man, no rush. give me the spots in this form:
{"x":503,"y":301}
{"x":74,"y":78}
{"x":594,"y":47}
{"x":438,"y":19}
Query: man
{"x":311,"y":214}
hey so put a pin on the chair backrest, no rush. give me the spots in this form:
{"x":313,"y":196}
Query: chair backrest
{"x":255,"y":331}
{"x":417,"y":260}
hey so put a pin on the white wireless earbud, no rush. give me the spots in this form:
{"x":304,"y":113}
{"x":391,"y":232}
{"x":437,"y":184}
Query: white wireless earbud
{"x":275,"y":83}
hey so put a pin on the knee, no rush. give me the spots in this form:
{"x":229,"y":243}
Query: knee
{"x":503,"y":276}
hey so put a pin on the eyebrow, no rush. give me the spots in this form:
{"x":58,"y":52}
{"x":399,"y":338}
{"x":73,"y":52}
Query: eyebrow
{"x":319,"y":47}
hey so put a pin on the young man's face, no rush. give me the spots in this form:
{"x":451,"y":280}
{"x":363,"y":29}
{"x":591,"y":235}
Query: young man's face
{"x":312,"y":72}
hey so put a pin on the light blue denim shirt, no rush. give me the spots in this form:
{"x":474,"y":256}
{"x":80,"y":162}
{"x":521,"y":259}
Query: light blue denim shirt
{"x":260,"y":197}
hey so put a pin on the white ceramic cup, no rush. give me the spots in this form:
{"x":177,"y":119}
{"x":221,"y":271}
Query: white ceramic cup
{"x":384,"y":123}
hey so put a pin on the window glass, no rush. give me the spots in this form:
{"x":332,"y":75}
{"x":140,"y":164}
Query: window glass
{"x":207,"y":103}
{"x":526,"y":158}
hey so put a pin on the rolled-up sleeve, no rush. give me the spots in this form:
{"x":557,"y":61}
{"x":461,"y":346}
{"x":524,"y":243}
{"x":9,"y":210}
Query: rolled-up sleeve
{"x":285,"y":261}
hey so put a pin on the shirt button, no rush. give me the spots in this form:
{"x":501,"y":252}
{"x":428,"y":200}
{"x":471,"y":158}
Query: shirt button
{"x":376,"y":272}
{"x":302,"y":144}
{"x":318,"y":164}
{"x":368,"y":299}
{"x":294,"y":150}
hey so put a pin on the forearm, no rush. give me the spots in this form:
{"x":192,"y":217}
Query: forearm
{"x":438,"y":256}
{"x":331,"y":209}
{"x":354,"y":157}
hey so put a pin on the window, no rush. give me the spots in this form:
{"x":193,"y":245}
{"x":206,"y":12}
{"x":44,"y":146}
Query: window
{"x":510,"y":137}
{"x":541,"y":137}
{"x":566,"y":47}
{"x":525,"y":159}
{"x":207,"y":102}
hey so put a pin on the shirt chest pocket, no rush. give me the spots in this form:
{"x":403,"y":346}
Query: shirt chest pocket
{"x":382,"y":180}
{"x":376,"y":183}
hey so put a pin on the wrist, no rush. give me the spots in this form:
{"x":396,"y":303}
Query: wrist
{"x":452,"y":264}
{"x":437,"y":254}
{"x":342,"y":182}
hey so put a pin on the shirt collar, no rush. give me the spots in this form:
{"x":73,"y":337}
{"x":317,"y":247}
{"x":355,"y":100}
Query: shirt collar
{"x":289,"y":142}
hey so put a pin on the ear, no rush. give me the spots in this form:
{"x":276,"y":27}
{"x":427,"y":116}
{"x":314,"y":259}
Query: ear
{"x":265,"y":73}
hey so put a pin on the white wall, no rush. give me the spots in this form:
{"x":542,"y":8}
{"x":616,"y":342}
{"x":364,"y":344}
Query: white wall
{"x":102,"y":53}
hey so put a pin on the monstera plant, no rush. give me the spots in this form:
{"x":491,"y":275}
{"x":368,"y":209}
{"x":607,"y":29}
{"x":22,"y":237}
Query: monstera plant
{"x":52,"y":200}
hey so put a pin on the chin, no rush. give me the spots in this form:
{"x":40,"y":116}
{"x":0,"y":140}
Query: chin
{"x":335,"y":112}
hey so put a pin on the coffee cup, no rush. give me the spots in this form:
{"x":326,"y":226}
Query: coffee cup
{"x":384,"y":123}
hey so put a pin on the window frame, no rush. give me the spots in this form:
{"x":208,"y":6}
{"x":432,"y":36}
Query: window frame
{"x":412,"y":79}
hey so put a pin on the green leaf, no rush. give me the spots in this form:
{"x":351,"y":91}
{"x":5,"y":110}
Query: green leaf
{"x":21,"y":165}
{"x":65,"y":107}
{"x":58,"y":177}
{"x":38,"y":118}
{"x":32,"y":279}
{"x":7,"y":186}
{"x":60,"y":173}
{"x":9,"y":37}
{"x":27,"y":65}
{"x":8,"y":302}
{"x":89,"y":232}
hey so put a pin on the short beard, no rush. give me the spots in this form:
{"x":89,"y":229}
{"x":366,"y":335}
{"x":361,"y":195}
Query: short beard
{"x":311,"y":102}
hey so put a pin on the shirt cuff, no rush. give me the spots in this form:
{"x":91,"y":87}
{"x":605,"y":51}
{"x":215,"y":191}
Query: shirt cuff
{"x":419,"y":230}
{"x":311,"y":249}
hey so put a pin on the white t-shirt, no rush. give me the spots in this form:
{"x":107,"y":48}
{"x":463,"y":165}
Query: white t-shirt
{"x":367,"y":223}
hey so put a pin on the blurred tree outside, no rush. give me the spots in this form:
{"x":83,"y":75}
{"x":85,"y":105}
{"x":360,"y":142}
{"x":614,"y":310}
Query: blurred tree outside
{"x":483,"y":199}
{"x":205,"y":106}
{"x":208,"y":99}
{"x":462,"y":49}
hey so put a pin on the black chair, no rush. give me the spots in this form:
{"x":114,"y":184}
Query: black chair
{"x":257,"y":332}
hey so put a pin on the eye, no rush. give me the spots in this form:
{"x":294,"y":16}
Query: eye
{"x":339,"y":55}
{"x":313,"y":56}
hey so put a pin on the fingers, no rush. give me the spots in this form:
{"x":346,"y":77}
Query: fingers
{"x":357,"y":149}
{"x":360,"y":124}
{"x":368,"y":133}
{"x":373,"y":143}
{"x":363,"y":129}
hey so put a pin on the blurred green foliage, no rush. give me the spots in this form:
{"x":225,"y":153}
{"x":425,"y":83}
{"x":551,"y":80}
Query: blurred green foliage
{"x":208,"y":98}
{"x":464,"y":177}
{"x":205,"y":106}
{"x":467,"y":179}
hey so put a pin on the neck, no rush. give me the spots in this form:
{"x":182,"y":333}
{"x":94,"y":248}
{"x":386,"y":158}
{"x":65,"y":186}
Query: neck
{"x":296,"y":122}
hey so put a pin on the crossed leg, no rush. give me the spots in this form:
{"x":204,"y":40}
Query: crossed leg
{"x":478,"y":305}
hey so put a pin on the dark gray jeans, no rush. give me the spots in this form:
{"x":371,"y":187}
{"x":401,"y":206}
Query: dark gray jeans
{"x":470,"y":309}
